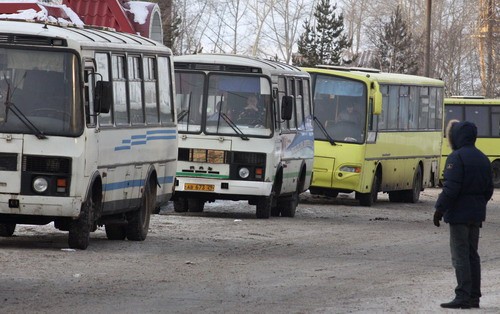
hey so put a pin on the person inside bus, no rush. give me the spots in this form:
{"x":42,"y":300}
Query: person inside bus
{"x":251,"y":113}
{"x":350,"y":114}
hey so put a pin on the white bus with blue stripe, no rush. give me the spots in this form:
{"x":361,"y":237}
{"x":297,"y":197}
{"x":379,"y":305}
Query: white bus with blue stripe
{"x":88,"y":133}
{"x":223,"y":154}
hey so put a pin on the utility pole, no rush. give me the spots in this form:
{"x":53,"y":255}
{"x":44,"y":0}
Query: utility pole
{"x":427,"y":57}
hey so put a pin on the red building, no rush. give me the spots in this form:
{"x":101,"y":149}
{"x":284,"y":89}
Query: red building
{"x":137,"y":17}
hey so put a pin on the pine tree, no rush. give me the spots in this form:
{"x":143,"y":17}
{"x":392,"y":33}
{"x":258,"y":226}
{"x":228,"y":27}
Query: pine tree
{"x":324,"y":43}
{"x":397,"y":51}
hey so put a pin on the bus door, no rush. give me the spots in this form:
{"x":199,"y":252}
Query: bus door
{"x":91,"y":143}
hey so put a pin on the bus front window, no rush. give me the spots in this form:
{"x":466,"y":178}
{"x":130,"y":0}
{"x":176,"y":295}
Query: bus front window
{"x":238,"y":104}
{"x":340,"y":105}
{"x":40,"y":89}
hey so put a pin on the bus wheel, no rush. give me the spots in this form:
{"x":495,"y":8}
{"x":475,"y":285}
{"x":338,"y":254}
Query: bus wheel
{"x":367,"y":199}
{"x":275,"y":211}
{"x":180,"y":205}
{"x":116,"y":231}
{"x":263,"y":208}
{"x":496,"y":173}
{"x":331,"y":193}
{"x":289,"y":205}
{"x":396,"y":196}
{"x":195,"y":205}
{"x":138,"y":220}
{"x":7,"y":229}
{"x":413,"y":195}
{"x":79,"y":229}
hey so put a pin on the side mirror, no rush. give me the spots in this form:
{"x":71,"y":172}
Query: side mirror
{"x":103,"y":96}
{"x":286,"y":107}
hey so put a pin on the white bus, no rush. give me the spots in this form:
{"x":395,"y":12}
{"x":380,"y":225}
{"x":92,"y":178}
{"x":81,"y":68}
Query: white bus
{"x":245,"y":133}
{"x":87,"y":130}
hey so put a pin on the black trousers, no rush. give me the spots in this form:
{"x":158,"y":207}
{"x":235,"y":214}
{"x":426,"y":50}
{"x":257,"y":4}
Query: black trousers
{"x":464,"y":239}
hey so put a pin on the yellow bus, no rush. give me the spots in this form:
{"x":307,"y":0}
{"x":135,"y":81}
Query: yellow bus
{"x":485,"y":113}
{"x":388,"y":141}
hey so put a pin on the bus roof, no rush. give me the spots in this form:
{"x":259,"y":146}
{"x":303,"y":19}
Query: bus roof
{"x":236,"y":63}
{"x":369,"y":75}
{"x":43,"y":34}
{"x":471,"y":101}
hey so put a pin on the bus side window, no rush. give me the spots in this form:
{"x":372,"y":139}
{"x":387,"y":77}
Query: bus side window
{"x":102,"y":63}
{"x":281,"y":93}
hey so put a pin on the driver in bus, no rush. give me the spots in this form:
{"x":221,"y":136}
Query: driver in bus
{"x":350,"y":114}
{"x":252,"y":113}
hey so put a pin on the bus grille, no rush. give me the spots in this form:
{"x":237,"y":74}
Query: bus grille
{"x":8,"y":162}
{"x":46,"y":164}
{"x":27,"y":40}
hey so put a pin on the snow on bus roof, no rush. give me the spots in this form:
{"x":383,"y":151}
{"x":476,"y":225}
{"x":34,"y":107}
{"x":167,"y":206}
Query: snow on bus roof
{"x":42,"y":14}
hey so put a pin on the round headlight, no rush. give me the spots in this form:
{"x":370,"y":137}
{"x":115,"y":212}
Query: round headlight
{"x":40,"y":185}
{"x":244,"y":172}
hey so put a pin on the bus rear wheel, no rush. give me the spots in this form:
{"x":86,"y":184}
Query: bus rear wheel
{"x":7,"y":229}
{"x":496,"y":173}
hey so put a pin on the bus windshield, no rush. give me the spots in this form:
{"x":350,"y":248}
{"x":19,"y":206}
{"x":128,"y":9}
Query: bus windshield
{"x":39,"y":92}
{"x":238,"y":105}
{"x":340,"y":105}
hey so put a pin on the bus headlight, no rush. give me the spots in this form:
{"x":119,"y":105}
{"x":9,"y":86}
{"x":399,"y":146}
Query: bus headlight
{"x":40,"y":185}
{"x":243,"y":172}
{"x":350,"y":169}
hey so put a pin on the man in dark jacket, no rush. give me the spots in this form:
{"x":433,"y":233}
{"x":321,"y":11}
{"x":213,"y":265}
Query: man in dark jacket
{"x":467,"y":188}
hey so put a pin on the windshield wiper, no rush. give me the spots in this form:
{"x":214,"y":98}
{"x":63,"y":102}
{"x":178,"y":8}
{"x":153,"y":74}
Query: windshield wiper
{"x":325,"y":132}
{"x":10,"y":106}
{"x":182,"y":114}
{"x":234,"y":126}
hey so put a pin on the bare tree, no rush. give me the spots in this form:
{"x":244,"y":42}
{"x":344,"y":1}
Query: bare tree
{"x":262,"y":10}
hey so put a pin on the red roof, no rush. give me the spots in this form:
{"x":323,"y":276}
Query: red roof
{"x":107,"y":13}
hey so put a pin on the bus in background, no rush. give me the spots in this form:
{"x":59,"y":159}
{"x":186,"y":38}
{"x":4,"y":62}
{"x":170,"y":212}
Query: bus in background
{"x":376,"y":132}
{"x":485,"y":113}
{"x":88,"y":133}
{"x":245,"y":133}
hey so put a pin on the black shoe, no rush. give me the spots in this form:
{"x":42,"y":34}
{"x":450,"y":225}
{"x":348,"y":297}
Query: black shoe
{"x":456,"y":304}
{"x":474,"y":303}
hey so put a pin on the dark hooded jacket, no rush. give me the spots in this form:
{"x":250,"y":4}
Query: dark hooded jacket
{"x":468,"y":182}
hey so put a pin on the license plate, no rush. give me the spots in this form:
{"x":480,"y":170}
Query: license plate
{"x":199,"y":187}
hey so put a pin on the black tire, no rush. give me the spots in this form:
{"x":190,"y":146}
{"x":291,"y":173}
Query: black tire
{"x":263,"y":207}
{"x":289,"y":205}
{"x":396,"y":197}
{"x":116,"y":231}
{"x":138,"y":220}
{"x":368,"y":199}
{"x":195,"y":205}
{"x":496,"y":173}
{"x":79,"y":229}
{"x":7,"y":229}
{"x":275,"y":211}
{"x":413,"y":195}
{"x":180,"y":205}
{"x":331,"y":193}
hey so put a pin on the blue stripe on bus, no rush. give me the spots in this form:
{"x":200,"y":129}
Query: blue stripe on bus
{"x":134,"y":183}
{"x":142,"y":139}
